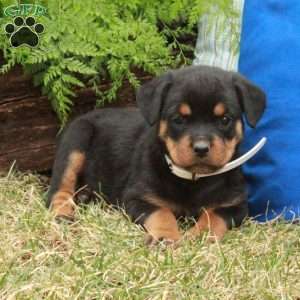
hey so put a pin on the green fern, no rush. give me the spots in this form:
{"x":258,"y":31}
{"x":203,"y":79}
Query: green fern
{"x":87,"y":41}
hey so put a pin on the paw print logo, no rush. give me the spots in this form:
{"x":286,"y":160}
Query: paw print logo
{"x":24,"y":32}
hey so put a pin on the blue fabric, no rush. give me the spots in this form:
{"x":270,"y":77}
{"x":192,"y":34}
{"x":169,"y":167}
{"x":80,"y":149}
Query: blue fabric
{"x":270,"y":56}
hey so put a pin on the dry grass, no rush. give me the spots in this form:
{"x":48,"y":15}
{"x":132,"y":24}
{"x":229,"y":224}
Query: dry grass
{"x":102,"y":256}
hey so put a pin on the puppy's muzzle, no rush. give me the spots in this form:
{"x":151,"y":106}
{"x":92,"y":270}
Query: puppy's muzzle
{"x":201,"y":147}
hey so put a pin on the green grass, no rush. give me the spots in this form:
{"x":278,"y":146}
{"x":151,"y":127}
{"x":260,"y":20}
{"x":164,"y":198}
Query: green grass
{"x":102,"y":256}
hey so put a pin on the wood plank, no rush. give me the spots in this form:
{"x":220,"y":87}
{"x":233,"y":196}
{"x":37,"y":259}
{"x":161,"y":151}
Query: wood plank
{"x":28,"y":125}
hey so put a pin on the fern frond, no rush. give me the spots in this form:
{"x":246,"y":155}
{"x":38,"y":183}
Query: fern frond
{"x":69,"y":79}
{"x":75,"y":65}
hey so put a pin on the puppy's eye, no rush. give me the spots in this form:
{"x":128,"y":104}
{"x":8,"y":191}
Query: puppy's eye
{"x":178,"y":119}
{"x":225,"y":120}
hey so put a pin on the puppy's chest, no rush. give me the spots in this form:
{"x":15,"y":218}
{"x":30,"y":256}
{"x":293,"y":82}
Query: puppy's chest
{"x":189,"y":199}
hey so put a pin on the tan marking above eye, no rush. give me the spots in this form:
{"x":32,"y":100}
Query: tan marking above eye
{"x":219,"y":109}
{"x":185,"y":109}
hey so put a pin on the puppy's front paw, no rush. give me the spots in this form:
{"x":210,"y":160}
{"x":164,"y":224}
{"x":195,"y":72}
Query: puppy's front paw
{"x":162,"y":228}
{"x":63,"y":206}
{"x":192,"y":233}
{"x":169,"y":241}
{"x":211,"y":222}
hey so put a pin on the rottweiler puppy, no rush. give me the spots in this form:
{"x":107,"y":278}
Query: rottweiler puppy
{"x":189,"y":119}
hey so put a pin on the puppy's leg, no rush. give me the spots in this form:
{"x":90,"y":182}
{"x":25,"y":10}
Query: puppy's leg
{"x":219,"y":221}
{"x":161,"y":225}
{"x":62,"y":203}
{"x":210,"y":221}
{"x":69,"y":164}
{"x":154,"y":215}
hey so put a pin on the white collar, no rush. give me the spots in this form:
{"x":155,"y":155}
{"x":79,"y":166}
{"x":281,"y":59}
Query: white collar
{"x":183,"y":173}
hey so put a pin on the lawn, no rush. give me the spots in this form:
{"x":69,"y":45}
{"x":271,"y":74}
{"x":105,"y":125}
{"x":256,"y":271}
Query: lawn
{"x":102,"y":256}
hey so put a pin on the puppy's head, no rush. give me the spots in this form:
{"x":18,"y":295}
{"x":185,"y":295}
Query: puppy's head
{"x":199,"y":114}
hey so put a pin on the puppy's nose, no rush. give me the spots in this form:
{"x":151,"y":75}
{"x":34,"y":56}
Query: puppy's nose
{"x":201,"y":148}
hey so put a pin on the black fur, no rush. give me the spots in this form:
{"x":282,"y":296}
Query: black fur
{"x":125,"y":155}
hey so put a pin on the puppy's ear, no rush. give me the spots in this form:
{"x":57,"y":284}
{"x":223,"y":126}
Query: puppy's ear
{"x":252,"y":99}
{"x":150,"y":97}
